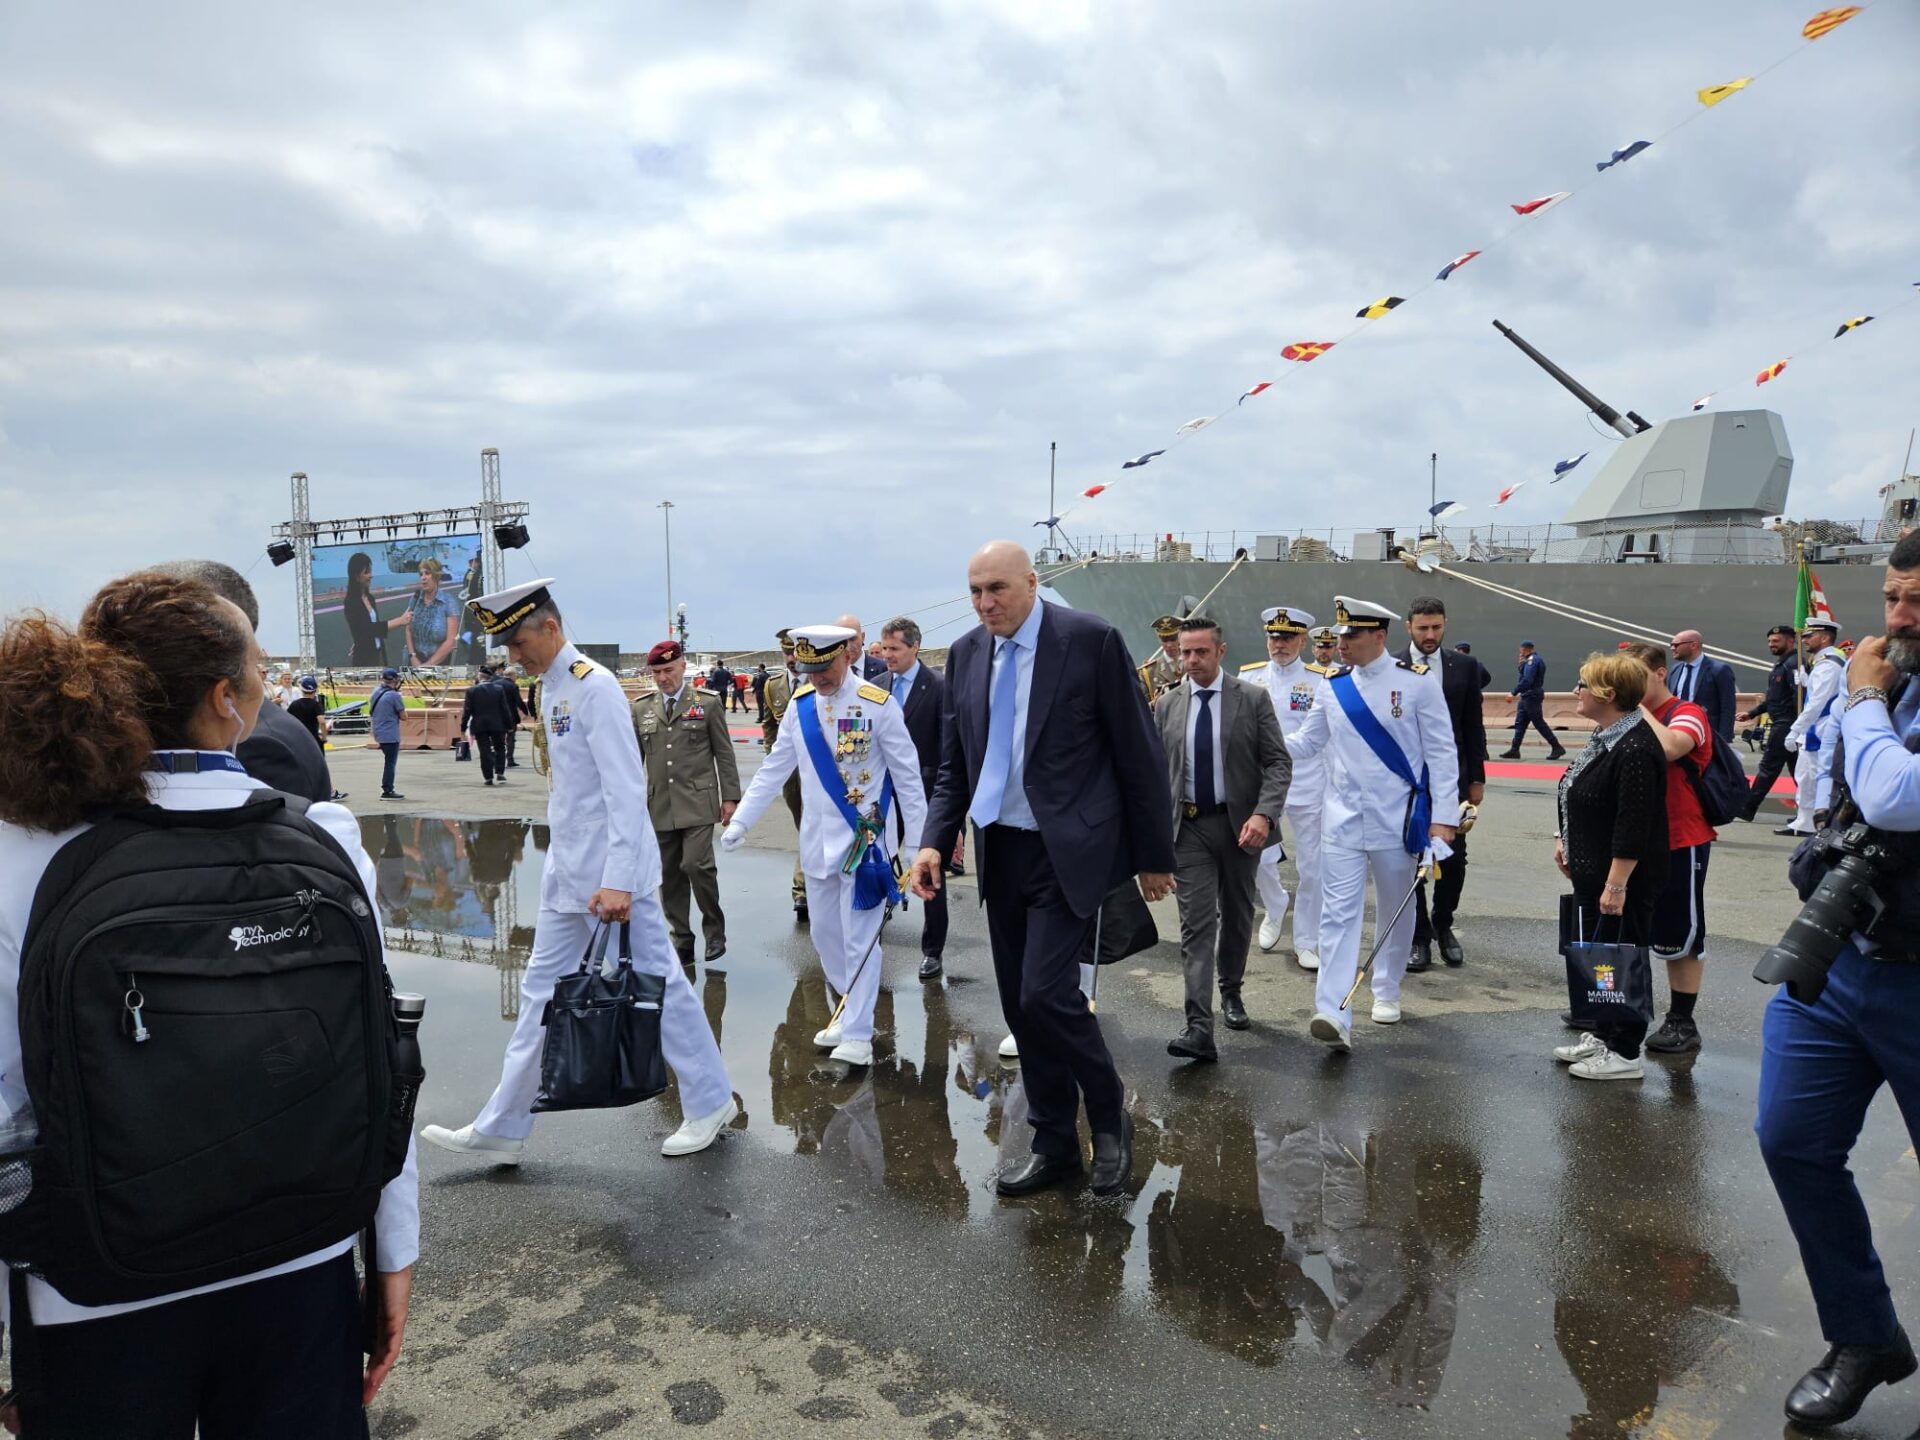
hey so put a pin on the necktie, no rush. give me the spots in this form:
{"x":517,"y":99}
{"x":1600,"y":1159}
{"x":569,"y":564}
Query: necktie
{"x":673,"y":703}
{"x":1686,"y":681}
{"x":1203,"y":754}
{"x":997,"y":764}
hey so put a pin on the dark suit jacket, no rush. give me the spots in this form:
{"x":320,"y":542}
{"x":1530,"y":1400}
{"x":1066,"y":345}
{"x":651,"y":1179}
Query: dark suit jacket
{"x":283,"y":753}
{"x":1714,"y":694}
{"x":922,"y":708}
{"x":1254,"y":753}
{"x":1095,"y":775}
{"x":872,"y":667}
{"x":1462,"y":678}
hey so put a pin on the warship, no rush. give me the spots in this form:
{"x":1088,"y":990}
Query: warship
{"x":1682,"y":527}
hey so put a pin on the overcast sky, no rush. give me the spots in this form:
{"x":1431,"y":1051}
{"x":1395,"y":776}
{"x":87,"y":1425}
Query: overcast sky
{"x":831,"y":277}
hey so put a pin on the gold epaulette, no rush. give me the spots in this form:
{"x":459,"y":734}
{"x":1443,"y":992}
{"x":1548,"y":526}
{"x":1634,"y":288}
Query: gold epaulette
{"x":874,"y":693}
{"x":1414,"y":665}
{"x":1317,"y":668}
{"x":1256,"y":665}
{"x":803,"y":690}
{"x":580,"y":669}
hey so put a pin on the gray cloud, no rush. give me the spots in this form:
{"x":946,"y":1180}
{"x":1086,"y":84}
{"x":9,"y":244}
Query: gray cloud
{"x":832,"y":277}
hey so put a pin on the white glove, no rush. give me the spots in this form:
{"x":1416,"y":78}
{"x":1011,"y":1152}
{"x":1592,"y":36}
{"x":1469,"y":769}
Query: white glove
{"x":1438,"y":850}
{"x":731,"y":837}
{"x":1793,"y":741}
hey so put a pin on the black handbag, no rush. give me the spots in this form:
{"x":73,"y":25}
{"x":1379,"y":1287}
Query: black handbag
{"x":1606,"y":980}
{"x":1124,"y":927}
{"x":603,"y":1032}
{"x":462,"y":749}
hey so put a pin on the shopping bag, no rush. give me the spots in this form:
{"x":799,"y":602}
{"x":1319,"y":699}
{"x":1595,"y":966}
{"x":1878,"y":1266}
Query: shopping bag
{"x":462,"y":749}
{"x":602,"y":1048}
{"x":1124,"y":929}
{"x":1607,"y":980}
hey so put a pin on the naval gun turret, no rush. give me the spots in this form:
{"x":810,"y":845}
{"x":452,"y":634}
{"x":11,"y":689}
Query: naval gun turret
{"x":1696,"y":489}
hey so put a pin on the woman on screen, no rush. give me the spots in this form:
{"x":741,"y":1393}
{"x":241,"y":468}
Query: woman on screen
{"x":367,"y":634}
{"x":432,"y":621}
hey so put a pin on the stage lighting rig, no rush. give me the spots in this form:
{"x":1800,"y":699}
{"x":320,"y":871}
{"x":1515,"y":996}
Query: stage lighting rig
{"x":511,"y":537}
{"x":280,"y":552}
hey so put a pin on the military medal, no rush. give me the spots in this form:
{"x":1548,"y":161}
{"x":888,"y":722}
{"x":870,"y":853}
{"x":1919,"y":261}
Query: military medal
{"x":1393,"y":697}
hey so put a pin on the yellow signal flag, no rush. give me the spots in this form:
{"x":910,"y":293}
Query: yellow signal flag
{"x":1378,"y":307}
{"x":1828,"y":20}
{"x":1854,"y":324}
{"x":1714,"y":94}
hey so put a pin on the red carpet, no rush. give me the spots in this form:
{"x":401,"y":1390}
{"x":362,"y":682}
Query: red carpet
{"x":1543,"y":770}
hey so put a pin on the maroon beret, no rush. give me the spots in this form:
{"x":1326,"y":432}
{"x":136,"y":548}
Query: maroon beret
{"x":665,"y":653}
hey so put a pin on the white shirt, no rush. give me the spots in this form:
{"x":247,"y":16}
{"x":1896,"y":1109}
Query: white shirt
{"x":825,"y":835}
{"x":24,"y":856}
{"x":597,"y":813}
{"x":1367,"y":802}
{"x":1193,"y":731}
{"x":1297,"y":689}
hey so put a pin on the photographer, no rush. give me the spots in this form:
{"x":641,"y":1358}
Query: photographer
{"x":1845,"y":1021}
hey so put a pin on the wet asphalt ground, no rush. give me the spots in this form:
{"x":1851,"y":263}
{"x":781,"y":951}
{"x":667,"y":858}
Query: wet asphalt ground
{"x":1440,"y":1235}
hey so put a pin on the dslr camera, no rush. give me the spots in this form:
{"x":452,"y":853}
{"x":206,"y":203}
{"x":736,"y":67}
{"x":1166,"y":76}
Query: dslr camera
{"x":1852,"y":863}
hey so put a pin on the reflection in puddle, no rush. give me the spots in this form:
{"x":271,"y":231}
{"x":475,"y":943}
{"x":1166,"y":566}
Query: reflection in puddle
{"x":1269,"y":1237}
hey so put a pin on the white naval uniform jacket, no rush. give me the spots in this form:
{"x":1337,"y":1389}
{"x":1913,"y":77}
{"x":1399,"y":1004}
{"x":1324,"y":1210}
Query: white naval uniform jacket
{"x":1826,"y":674}
{"x":602,"y":833}
{"x":1367,"y":802}
{"x":825,"y":835}
{"x":1297,"y":690}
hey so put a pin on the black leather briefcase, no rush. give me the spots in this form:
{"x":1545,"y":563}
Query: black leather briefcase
{"x":603,"y":1033}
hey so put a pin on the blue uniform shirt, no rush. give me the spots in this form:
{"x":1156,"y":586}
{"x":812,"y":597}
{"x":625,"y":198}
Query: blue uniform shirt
{"x":1533,"y":677}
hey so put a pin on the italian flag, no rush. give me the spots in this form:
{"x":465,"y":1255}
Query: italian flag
{"x":1811,"y":602}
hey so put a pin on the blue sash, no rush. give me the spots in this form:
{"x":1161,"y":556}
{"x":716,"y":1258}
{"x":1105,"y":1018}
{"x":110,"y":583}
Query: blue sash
{"x":1413,"y":835}
{"x":873,"y":877}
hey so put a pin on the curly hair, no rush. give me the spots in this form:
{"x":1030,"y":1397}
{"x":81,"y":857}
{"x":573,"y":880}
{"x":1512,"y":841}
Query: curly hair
{"x":83,"y":710}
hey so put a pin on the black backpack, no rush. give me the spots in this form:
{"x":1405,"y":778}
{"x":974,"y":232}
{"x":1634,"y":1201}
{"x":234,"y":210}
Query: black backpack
{"x":209,"y":1045}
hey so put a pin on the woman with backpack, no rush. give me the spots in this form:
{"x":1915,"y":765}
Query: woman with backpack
{"x":214,"y":1111}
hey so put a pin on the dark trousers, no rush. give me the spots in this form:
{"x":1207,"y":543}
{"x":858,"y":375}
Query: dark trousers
{"x":1773,"y":759}
{"x":1036,"y":940}
{"x":391,"y":750}
{"x":688,"y":873}
{"x":493,"y":754}
{"x":513,"y":739}
{"x":1447,"y":885}
{"x":1820,"y":1067}
{"x":933,"y":929}
{"x":790,"y":792}
{"x":1215,"y":880}
{"x":279,"y":1357}
{"x":1532,"y":710}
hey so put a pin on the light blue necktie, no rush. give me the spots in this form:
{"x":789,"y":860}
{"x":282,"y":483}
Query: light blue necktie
{"x":997,"y":765}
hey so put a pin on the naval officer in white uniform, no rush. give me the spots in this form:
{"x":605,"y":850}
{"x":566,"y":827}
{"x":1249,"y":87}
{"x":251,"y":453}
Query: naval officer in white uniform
{"x":1817,"y":726}
{"x":604,"y":864}
{"x":1377,"y":769}
{"x":1298,"y":687}
{"x":864,"y":744}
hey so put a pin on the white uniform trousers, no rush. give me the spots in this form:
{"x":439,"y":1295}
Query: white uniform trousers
{"x":559,"y":940}
{"x":1343,"y":912}
{"x":1814,"y":782}
{"x":841,"y":934}
{"x":1304,"y":821}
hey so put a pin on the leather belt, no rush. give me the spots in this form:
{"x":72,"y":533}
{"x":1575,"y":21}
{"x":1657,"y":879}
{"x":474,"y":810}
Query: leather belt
{"x":1194,"y":812}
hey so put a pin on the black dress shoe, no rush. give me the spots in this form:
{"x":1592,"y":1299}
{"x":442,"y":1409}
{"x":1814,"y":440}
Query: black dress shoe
{"x":714,"y":952}
{"x":1422,"y":957}
{"x":930,"y":967}
{"x":686,"y":958}
{"x":1557,"y":752}
{"x":1450,"y":950}
{"x":1036,"y":1173}
{"x":1233,"y":1012}
{"x":1113,"y":1160}
{"x":1510,"y":754}
{"x":800,"y":910}
{"x":1834,"y":1390}
{"x":955,"y":868}
{"x":1193,"y":1045}
{"x":1566,"y":1019}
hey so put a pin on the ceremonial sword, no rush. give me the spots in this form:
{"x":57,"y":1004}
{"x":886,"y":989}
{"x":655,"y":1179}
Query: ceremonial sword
{"x":1380,"y":938}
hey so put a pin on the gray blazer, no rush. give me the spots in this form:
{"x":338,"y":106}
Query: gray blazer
{"x":1257,"y":765}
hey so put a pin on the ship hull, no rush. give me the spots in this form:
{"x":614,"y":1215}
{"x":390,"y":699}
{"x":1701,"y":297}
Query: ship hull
{"x":1731,"y":605}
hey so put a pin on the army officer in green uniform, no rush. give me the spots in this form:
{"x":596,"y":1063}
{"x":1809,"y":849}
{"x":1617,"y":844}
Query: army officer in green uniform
{"x":781,"y":684}
{"x":693,"y":784}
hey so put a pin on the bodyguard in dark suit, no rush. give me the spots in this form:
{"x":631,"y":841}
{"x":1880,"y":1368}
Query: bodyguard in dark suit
{"x":1705,"y":681}
{"x":1781,"y":705}
{"x":1228,"y":769}
{"x":1462,"y":679}
{"x":922,"y":693}
{"x":1048,"y":748}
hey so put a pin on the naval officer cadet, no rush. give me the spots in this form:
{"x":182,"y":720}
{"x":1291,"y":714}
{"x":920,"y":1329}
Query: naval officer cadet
{"x":848,"y":741}
{"x":1393,"y":788}
{"x":1296,"y":686}
{"x":1813,"y":730}
{"x":603,"y":866}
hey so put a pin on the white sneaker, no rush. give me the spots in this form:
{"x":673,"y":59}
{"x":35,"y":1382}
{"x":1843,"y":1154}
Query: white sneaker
{"x":1009,"y":1050}
{"x":1385,"y":1012}
{"x":853,"y":1052}
{"x":1270,"y":931}
{"x":1607,"y":1066}
{"x":697,"y":1135}
{"x":1309,"y":960}
{"x":1585,"y":1048}
{"x":468,"y":1141}
{"x":828,"y":1038}
{"x":1330,"y":1031}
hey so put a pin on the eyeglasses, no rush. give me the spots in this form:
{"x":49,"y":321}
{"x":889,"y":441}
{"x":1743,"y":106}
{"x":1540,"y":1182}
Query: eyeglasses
{"x":1581,"y":685}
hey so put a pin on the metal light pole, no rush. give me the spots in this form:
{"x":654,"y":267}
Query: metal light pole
{"x":666,"y":519}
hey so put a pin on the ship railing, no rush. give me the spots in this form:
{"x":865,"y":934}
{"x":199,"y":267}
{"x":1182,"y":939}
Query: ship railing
{"x":1696,"y":542}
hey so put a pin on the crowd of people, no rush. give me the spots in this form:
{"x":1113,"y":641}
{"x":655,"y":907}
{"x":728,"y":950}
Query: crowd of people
{"x":142,"y":740}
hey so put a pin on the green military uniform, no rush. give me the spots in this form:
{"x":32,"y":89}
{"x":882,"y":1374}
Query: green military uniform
{"x":690,"y":773}
{"x":1162,"y":672}
{"x":779,"y":694}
